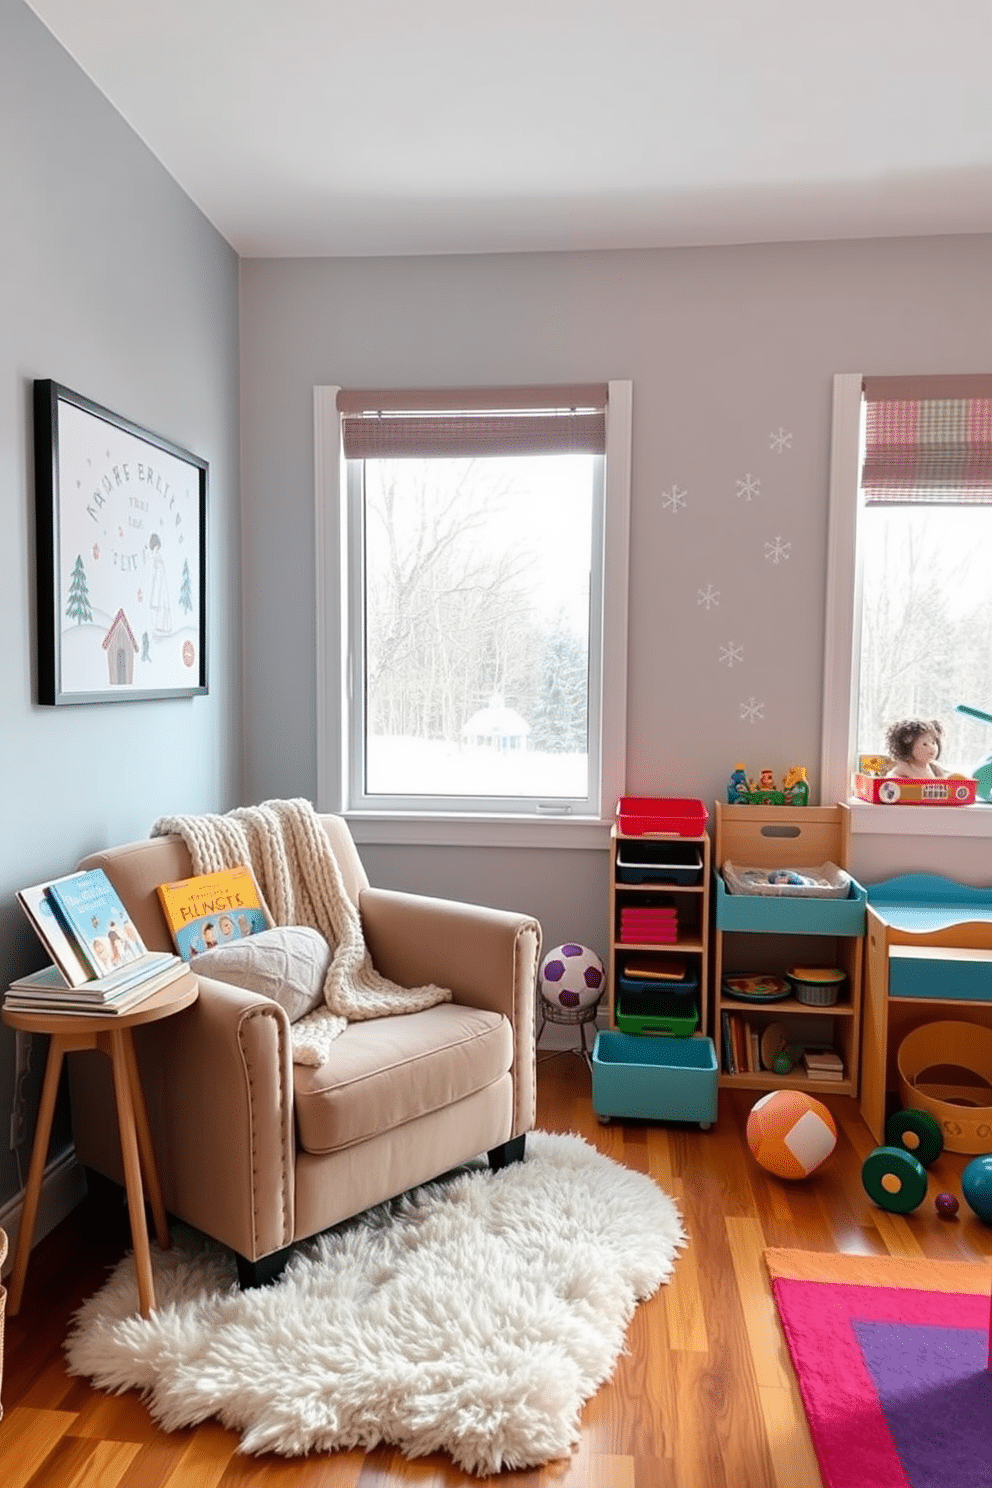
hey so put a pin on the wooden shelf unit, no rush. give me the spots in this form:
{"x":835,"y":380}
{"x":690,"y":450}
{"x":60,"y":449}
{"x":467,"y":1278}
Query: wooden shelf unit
{"x":762,"y":933}
{"x":692,"y":902}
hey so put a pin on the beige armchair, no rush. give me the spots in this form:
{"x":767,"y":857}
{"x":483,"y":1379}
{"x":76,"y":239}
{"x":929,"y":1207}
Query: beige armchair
{"x":260,"y":1152}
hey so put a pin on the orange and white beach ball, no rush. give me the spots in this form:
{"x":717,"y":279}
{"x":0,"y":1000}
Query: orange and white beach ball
{"x":790,"y":1134}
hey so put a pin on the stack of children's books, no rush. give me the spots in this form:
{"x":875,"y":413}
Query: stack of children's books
{"x":100,"y":964}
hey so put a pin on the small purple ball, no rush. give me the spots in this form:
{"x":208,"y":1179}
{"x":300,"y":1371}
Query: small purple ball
{"x":946,"y":1205}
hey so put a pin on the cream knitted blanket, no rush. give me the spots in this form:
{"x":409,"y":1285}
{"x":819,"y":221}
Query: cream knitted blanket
{"x":287,"y":849}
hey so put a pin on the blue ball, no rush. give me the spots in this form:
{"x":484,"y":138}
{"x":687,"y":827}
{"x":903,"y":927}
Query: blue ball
{"x":976,"y":1185}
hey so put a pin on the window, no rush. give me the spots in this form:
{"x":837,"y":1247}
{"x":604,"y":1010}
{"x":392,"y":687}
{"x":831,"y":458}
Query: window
{"x":909,"y":611}
{"x":475,"y":666}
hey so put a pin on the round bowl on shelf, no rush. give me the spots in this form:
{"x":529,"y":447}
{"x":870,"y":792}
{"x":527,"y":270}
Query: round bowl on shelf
{"x":816,"y":986}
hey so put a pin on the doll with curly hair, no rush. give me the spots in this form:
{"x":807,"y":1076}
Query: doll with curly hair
{"x":914,"y":744}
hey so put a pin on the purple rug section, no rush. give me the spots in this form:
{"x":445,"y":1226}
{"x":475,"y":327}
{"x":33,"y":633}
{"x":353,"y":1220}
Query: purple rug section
{"x":936,"y":1395}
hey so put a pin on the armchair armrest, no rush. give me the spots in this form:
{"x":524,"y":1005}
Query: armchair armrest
{"x":217,"y":1080}
{"x":488,"y":957}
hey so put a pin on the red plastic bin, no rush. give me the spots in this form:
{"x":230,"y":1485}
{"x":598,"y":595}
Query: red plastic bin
{"x":676,"y":815}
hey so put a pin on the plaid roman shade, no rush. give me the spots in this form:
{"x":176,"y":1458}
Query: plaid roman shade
{"x":430,"y":423}
{"x":928,"y":440}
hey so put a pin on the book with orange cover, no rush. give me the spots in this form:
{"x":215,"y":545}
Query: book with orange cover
{"x":212,"y":909}
{"x":651,"y":969}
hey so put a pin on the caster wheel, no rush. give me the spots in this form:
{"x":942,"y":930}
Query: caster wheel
{"x":604,"y":1120}
{"x":894,"y":1179}
{"x":917,"y":1133}
{"x":705,"y":1125}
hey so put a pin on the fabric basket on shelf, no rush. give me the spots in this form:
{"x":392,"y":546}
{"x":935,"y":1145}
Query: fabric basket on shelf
{"x":825,"y":881}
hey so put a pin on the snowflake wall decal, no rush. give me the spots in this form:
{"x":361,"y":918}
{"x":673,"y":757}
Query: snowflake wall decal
{"x":709,"y":597}
{"x":748,"y":486}
{"x":780,"y":441}
{"x":731,"y":654}
{"x":778,"y":551}
{"x":674,"y":499}
{"x":752,"y":710}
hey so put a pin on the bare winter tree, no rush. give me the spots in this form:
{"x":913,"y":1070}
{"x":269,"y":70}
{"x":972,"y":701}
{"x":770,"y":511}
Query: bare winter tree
{"x":909,"y":602}
{"x":450,"y":622}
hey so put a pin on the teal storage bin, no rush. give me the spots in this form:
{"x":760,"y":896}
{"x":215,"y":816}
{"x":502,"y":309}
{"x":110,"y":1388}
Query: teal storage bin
{"x":660,"y":1079}
{"x":761,"y":914}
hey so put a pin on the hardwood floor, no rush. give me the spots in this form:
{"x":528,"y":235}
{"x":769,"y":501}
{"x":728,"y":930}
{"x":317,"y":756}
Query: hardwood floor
{"x":703,"y":1398}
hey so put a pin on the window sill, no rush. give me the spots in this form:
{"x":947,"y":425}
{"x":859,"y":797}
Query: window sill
{"x":920,"y":821}
{"x":479,"y":831}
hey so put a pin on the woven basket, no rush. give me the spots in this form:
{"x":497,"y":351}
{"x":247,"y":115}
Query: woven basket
{"x":3,"y":1304}
{"x":824,"y":881}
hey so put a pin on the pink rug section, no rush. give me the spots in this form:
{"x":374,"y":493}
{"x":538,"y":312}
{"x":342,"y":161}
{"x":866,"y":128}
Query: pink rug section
{"x":850,"y":1435}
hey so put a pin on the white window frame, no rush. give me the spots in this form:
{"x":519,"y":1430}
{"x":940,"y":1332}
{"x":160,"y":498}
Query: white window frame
{"x":842,"y":638}
{"x":335,"y":671}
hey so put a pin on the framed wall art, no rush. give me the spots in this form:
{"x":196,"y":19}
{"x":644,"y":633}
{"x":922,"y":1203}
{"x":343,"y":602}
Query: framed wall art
{"x":122,"y":556}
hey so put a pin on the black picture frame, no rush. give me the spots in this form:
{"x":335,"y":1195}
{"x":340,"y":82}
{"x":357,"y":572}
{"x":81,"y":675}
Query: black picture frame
{"x":121,"y":534}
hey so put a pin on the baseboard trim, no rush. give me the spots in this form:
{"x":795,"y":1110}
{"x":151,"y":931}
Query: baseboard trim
{"x":62,"y":1188}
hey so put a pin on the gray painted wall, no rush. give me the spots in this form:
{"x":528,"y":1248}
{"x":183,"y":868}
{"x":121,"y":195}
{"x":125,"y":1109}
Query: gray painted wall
{"x":731,"y":352}
{"x":112,"y":283}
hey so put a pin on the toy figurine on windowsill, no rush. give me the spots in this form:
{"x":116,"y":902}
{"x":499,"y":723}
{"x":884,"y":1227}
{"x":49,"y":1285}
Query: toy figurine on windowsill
{"x":914,"y":745}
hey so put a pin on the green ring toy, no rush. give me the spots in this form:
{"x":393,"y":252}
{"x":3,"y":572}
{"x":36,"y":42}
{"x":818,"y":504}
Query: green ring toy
{"x":894,"y":1179}
{"x":917,"y":1132}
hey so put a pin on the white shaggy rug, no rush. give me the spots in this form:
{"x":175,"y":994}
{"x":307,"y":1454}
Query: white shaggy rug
{"x":473,"y":1316}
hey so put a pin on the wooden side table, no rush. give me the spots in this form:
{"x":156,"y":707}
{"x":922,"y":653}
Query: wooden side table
{"x":112,"y":1034}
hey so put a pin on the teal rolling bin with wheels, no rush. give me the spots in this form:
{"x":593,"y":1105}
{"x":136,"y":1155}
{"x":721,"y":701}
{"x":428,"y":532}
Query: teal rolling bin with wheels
{"x":658,"y":1079}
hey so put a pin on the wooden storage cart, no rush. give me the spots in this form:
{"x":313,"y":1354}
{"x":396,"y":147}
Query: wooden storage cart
{"x":688,"y":889}
{"x":761,"y":933}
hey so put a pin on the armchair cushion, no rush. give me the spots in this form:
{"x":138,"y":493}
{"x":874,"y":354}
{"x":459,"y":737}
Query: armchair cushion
{"x":386,"y":1072}
{"x":288,"y":964}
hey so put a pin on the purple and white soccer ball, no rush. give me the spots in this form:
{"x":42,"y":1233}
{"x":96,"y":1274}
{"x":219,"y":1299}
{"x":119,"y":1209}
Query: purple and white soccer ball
{"x":572,"y":976}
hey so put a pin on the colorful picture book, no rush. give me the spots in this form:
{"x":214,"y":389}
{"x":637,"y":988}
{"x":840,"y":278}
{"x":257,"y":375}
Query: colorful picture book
{"x":92,"y":915}
{"x":212,"y":909}
{"x":100,"y":964}
{"x":48,"y":928}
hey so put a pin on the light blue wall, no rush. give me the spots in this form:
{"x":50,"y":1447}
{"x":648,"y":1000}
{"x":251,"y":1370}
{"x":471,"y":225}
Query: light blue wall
{"x":112,"y":283}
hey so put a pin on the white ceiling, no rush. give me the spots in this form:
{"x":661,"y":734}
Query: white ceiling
{"x":312,"y":127}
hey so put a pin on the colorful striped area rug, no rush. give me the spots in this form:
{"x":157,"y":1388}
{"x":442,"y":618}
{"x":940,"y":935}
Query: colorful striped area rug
{"x":892,"y":1360}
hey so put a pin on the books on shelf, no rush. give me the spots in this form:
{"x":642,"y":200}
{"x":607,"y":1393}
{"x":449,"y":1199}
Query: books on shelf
{"x":212,"y":909}
{"x":823,"y":1064}
{"x":92,"y":915}
{"x":740,"y":1045}
{"x":742,"y":1052}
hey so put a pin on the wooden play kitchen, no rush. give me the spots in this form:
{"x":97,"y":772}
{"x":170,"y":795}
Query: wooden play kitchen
{"x":929,"y":964}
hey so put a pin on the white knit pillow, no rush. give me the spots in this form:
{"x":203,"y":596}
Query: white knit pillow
{"x":288,"y":964}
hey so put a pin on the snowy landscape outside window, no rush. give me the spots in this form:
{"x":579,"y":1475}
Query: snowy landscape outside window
{"x":925,"y":535}
{"x":912,"y":485}
{"x":475,"y":541}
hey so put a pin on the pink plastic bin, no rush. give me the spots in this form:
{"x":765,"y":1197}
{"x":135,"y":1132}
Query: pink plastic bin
{"x":674,"y":815}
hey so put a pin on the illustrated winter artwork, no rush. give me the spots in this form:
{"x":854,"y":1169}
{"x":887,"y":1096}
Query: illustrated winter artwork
{"x":127,"y":543}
